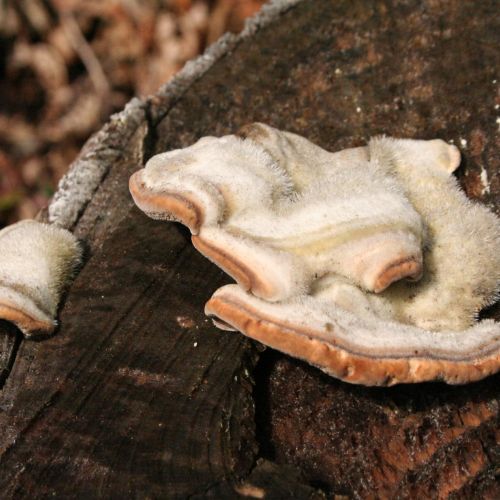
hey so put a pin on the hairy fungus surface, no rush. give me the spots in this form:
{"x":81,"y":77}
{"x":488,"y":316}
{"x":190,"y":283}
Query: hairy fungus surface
{"x":369,"y":263}
{"x":37,"y":261}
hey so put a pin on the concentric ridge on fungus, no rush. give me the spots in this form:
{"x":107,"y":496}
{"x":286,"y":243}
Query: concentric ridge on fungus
{"x":368,"y":263}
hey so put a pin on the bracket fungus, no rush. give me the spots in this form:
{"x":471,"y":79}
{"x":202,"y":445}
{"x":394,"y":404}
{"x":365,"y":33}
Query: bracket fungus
{"x":369,"y":263}
{"x":37,"y":262}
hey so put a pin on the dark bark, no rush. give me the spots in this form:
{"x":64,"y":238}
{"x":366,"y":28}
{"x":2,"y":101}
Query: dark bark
{"x":121,"y":402}
{"x":10,"y":339}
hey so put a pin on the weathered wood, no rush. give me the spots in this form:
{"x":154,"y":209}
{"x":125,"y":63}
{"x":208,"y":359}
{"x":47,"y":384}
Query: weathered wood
{"x":130,"y":369}
{"x":419,"y":441}
{"x":10,"y":339}
{"x":120,"y":402}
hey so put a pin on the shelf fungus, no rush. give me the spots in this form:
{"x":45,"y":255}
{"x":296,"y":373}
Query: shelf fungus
{"x":36,"y":264}
{"x":369,"y":263}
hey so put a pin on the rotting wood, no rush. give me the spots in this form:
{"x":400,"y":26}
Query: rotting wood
{"x":125,"y":372}
{"x":115,"y":403}
{"x":10,"y":338}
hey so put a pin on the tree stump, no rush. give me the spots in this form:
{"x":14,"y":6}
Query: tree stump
{"x":138,"y":395}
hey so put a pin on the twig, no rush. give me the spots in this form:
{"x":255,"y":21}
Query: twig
{"x":86,"y":54}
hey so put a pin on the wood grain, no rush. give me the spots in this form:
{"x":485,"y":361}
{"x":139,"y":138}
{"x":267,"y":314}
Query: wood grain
{"x":137,"y":364}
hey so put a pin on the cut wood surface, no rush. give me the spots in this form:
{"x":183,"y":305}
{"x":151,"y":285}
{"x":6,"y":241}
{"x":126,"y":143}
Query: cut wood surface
{"x":138,"y":395}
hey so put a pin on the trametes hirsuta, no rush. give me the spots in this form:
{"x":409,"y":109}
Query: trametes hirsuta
{"x":368,"y":263}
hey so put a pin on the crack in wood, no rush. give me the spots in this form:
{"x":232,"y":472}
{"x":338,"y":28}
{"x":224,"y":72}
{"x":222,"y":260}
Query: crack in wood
{"x":10,"y":341}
